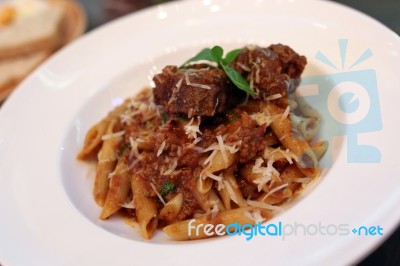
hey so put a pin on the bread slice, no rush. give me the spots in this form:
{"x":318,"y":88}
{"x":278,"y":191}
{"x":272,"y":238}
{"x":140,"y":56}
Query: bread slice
{"x":74,"y":21}
{"x":12,"y":71}
{"x":21,"y":60}
{"x":35,"y":27}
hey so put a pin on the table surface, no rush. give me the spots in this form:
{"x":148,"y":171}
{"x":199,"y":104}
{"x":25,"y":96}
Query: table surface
{"x":385,"y":11}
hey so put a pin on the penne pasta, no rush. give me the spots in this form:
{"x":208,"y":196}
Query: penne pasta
{"x":307,"y":161}
{"x":220,"y":161}
{"x":191,"y":153}
{"x":170,"y":211}
{"x":319,"y":148}
{"x":146,"y":209}
{"x":106,"y":164}
{"x":92,"y":142}
{"x":232,"y":189}
{"x":183,"y":230}
{"x":118,"y":191}
{"x":204,"y":184}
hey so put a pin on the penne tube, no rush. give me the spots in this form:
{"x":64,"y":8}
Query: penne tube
{"x":118,"y":191}
{"x":232,"y":189}
{"x":213,"y":199}
{"x":92,"y":142}
{"x":192,"y":228}
{"x":146,"y":209}
{"x":307,"y":161}
{"x":206,"y":201}
{"x":272,"y":200}
{"x":319,"y":148}
{"x":106,"y":165}
{"x":307,"y":110}
{"x":170,"y":211}
{"x":204,"y":184}
{"x":226,"y":199}
{"x":219,"y":163}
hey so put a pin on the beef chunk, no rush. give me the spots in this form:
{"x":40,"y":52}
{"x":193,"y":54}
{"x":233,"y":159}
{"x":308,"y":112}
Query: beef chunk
{"x":270,"y":70}
{"x":292,"y":63}
{"x":194,"y":91}
{"x":250,"y":135}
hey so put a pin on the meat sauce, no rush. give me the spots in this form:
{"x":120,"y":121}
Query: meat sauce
{"x":171,"y":160}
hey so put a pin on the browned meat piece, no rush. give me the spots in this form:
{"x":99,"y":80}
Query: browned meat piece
{"x":293,"y":64}
{"x":270,"y":70}
{"x":164,"y":82}
{"x":196,"y":91}
{"x":284,"y":60}
{"x":250,"y":135}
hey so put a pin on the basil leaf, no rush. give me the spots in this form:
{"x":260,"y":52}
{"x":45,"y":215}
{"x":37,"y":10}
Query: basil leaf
{"x":237,"y":79}
{"x":215,"y":55}
{"x":165,"y":118}
{"x":123,"y":149}
{"x":205,"y":54}
{"x":218,"y":52}
{"x":166,"y":188}
{"x":231,"y":56}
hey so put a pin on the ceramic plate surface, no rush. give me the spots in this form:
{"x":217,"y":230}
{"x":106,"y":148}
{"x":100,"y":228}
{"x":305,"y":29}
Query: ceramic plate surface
{"x":48,"y":216}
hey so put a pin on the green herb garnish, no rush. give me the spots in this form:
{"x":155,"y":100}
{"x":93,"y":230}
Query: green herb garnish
{"x":165,"y":118}
{"x":215,"y":55}
{"x":233,"y":116}
{"x":123,"y":149}
{"x":182,"y":117}
{"x":166,"y":188}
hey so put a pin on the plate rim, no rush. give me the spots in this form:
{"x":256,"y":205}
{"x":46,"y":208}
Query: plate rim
{"x":25,"y":84}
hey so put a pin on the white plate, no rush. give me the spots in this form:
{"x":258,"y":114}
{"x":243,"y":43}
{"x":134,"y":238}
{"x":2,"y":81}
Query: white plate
{"x":47,"y":214}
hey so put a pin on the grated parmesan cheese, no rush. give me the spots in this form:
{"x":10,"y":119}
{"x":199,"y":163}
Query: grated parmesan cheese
{"x":175,"y":91}
{"x":272,"y":154}
{"x":128,"y":205}
{"x":214,"y":211}
{"x":222,"y":148}
{"x":212,"y":176}
{"x":157,"y":193}
{"x":215,"y":107}
{"x":192,"y":129}
{"x":113,"y":135}
{"x":286,"y":113}
{"x":161,"y":149}
{"x":189,"y":83}
{"x":266,"y":173}
{"x":273,"y":97}
{"x":272,"y":191}
{"x":210,"y":158}
{"x":231,"y":193}
{"x":254,"y":215}
{"x":244,"y":67}
{"x":178,"y":84}
{"x":262,"y":118}
{"x":134,"y":148}
{"x":110,"y":175}
{"x":133,"y":164}
{"x":264,"y":205}
{"x":172,"y":167}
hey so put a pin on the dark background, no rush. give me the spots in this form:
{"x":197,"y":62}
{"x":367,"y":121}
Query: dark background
{"x":386,"y":11}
